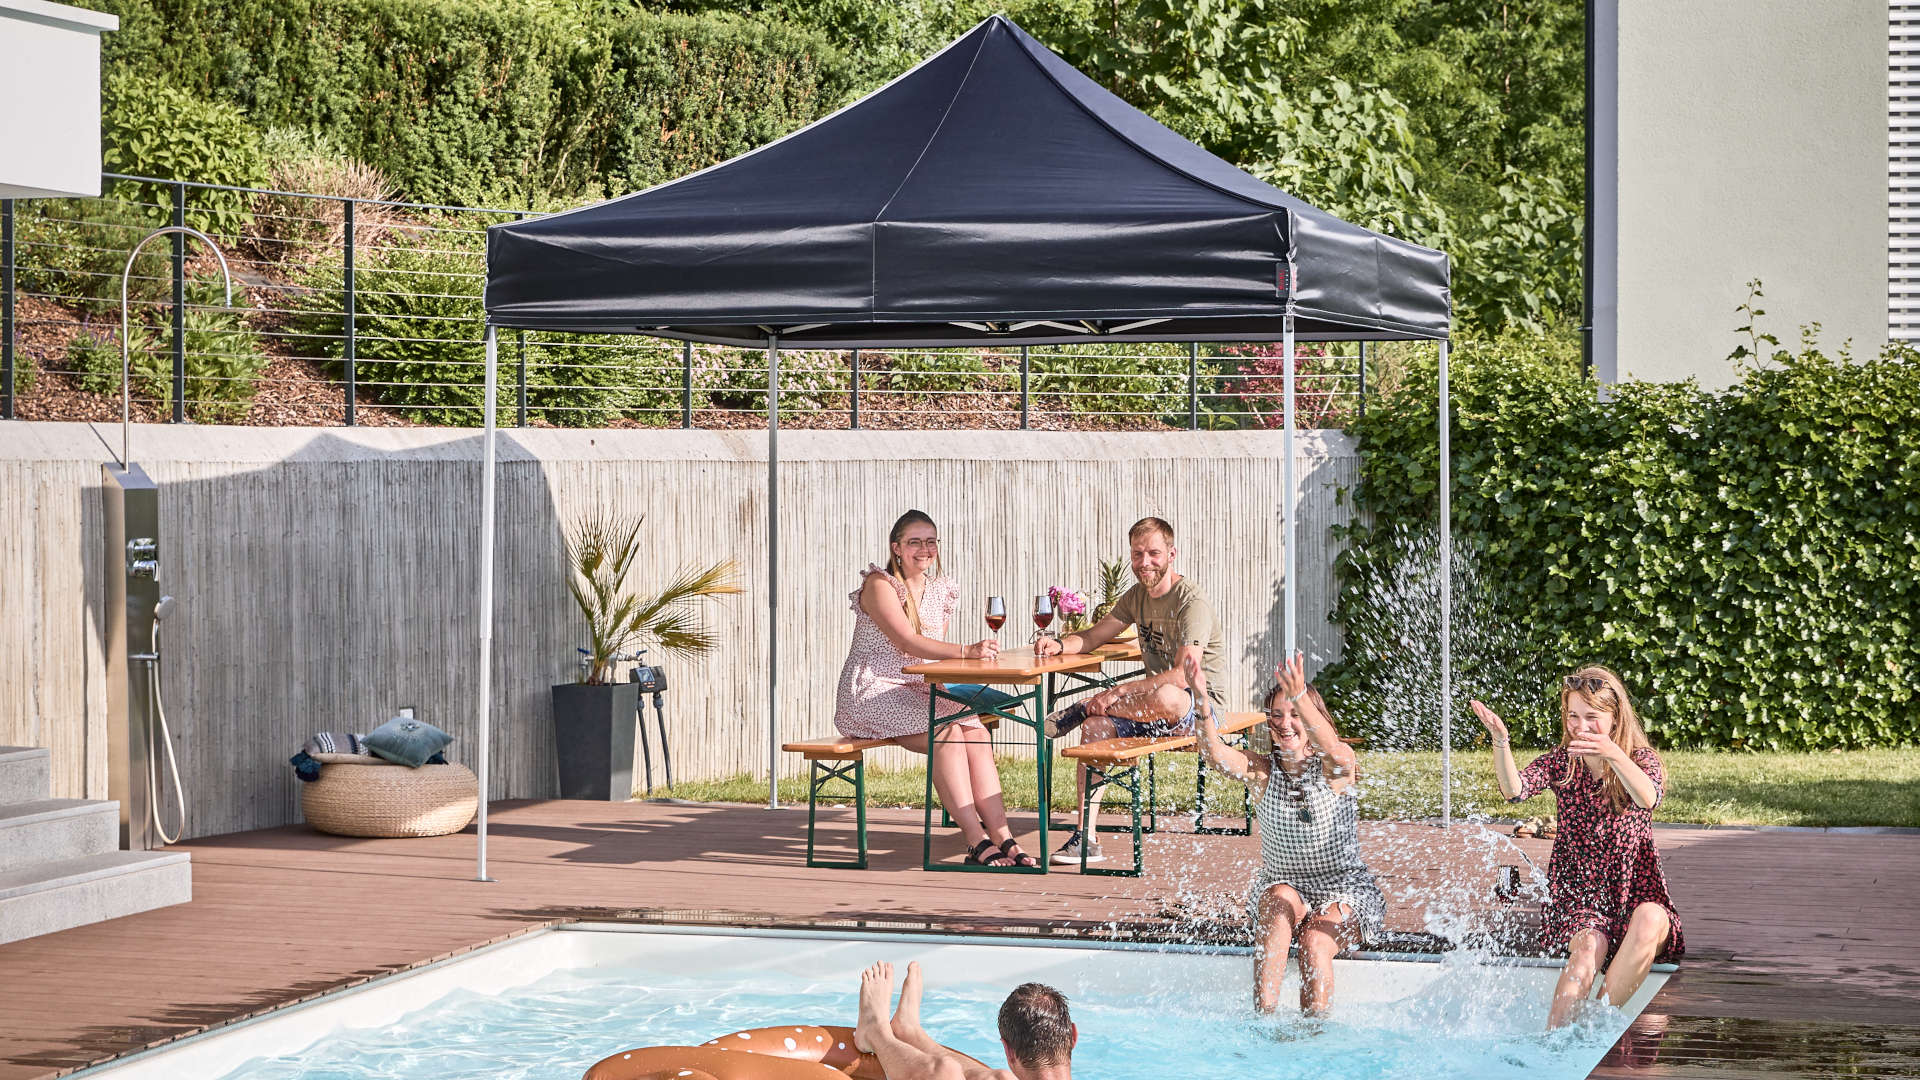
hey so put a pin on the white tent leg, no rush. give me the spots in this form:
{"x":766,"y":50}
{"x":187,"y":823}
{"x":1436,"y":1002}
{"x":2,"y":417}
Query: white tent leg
{"x":1446,"y":596}
{"x":486,"y":601}
{"x":773,"y":571}
{"x":1290,"y":498}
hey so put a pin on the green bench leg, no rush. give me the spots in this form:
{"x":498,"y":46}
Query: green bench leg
{"x":1200,"y":826}
{"x":823,"y":774}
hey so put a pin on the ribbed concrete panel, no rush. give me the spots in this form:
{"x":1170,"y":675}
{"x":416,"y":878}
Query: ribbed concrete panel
{"x":326,"y":577}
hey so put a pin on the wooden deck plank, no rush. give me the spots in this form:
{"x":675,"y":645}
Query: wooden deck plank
{"x":279,"y":915}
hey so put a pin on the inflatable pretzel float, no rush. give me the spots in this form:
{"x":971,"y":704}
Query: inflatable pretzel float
{"x":787,"y":1052}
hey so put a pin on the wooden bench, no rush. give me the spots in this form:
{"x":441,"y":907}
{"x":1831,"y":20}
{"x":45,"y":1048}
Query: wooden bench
{"x":837,"y":757}
{"x":1117,"y":761}
{"x":829,"y":759}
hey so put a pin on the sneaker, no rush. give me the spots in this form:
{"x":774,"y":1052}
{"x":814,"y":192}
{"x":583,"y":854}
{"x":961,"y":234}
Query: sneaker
{"x":1070,"y":851}
{"x":1061,"y":721}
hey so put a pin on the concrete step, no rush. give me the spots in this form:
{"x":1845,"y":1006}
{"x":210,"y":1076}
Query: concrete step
{"x":56,"y":830}
{"x":57,"y":896}
{"x":26,"y":774}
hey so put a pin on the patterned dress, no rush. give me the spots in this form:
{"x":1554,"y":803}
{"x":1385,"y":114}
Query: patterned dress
{"x":1310,"y":839}
{"x":1604,"y":863}
{"x":876,"y":700}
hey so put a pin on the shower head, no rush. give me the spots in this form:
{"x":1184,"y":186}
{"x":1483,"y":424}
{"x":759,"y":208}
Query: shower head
{"x":163,"y":609}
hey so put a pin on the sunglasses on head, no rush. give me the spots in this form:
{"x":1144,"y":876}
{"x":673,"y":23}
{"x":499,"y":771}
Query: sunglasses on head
{"x":1586,"y":684}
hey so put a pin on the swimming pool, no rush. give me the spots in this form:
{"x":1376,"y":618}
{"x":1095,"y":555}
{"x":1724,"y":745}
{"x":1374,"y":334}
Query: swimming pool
{"x":550,"y":1003}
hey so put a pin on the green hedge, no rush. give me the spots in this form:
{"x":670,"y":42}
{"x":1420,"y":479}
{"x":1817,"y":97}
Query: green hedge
{"x":474,"y":100}
{"x":1747,"y":560}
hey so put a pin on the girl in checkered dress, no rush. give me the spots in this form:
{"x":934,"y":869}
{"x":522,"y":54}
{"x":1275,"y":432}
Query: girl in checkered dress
{"x":1313,"y":886}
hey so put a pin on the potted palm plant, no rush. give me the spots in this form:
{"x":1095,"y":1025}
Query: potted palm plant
{"x":594,"y":716}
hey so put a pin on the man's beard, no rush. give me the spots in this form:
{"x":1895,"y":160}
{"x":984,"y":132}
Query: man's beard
{"x":1150,"y":578}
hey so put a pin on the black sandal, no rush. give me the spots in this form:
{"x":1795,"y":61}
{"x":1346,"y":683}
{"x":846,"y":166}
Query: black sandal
{"x":974,"y":858}
{"x":1011,"y":849}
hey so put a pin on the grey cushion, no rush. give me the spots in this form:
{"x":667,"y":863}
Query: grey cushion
{"x":407,"y":742}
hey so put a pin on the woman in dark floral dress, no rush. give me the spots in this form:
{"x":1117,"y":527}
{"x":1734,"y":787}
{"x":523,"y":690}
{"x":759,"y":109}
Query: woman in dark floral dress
{"x":1607,"y":897}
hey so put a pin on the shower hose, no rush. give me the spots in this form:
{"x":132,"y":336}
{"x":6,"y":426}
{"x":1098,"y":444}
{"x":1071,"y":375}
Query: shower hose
{"x":153,"y":762}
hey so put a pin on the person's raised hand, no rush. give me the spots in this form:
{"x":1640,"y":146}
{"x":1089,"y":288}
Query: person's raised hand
{"x":1292,"y":676}
{"x":1496,"y":727}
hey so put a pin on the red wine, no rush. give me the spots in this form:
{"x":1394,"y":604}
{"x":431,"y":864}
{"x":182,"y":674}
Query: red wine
{"x":995,"y":622}
{"x":1042,"y":619}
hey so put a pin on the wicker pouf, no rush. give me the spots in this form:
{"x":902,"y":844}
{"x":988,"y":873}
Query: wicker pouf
{"x":390,"y":800}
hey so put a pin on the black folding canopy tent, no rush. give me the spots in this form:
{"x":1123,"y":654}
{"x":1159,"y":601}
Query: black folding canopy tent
{"x":993,"y":195}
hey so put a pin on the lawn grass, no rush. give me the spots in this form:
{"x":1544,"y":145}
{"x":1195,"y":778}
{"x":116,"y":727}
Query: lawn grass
{"x":1855,"y":787}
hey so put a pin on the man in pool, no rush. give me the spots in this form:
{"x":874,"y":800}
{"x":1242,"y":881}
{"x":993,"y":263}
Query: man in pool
{"x":1036,"y":1032}
{"x":1175,"y":622}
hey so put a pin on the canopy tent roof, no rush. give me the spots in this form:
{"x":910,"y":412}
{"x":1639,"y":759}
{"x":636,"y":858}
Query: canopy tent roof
{"x":991,"y":195}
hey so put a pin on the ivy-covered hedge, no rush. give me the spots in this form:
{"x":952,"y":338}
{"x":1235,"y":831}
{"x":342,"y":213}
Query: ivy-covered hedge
{"x":1749,"y":561}
{"x":484,"y":100}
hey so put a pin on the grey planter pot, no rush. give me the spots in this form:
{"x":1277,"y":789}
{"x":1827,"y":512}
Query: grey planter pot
{"x":593,"y":739}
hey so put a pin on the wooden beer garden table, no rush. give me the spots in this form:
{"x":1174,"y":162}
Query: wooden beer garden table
{"x":1040,"y":682}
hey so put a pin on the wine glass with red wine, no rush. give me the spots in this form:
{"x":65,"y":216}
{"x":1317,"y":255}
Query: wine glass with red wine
{"x":996,"y":614}
{"x":1042,"y":614}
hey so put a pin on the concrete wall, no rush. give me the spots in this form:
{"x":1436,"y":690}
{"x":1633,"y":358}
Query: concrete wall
{"x":326,"y":576}
{"x":1752,"y":143}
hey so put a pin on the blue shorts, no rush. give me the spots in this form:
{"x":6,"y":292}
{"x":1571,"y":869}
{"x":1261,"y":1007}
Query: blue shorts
{"x":1160,"y":729}
{"x":978,"y":698}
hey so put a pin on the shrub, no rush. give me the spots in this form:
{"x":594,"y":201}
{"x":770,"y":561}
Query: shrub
{"x":737,"y":379}
{"x":75,"y":250}
{"x":446,"y":98}
{"x":151,"y":129}
{"x":223,"y":358}
{"x":1746,"y":560}
{"x":1130,"y":382}
{"x":297,"y":229}
{"x":418,"y":323}
{"x":94,"y":356}
{"x":1252,"y":392}
{"x":589,"y":380}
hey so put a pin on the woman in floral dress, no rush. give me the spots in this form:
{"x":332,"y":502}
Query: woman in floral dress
{"x":900,"y":616}
{"x":1607,"y":896}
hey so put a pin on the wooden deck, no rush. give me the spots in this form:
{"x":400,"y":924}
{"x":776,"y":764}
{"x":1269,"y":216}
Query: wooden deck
{"x":1803,"y":934}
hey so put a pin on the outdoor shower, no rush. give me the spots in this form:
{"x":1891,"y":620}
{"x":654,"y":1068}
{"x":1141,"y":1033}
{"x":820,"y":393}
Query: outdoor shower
{"x":137,"y":734}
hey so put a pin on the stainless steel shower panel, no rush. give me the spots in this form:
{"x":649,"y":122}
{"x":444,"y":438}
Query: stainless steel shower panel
{"x":133,"y":571}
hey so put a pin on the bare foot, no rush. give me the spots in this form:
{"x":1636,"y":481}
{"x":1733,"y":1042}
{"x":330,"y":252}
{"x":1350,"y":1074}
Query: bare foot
{"x":876,"y":993}
{"x":906,"y":1018}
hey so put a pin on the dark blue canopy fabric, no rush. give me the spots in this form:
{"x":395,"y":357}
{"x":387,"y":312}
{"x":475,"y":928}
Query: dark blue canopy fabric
{"x":992,"y":195}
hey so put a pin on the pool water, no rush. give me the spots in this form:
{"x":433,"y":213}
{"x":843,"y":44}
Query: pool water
{"x":1140,"y":1013}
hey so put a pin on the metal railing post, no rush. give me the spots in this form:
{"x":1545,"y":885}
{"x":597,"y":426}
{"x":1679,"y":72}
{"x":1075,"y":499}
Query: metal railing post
{"x":179,"y":305}
{"x":1026,"y":398}
{"x":686,"y":384}
{"x":348,"y":351}
{"x":520,"y":347}
{"x":1365,"y":347}
{"x":6,"y":309}
{"x":856,"y":388}
{"x":1193,"y":386}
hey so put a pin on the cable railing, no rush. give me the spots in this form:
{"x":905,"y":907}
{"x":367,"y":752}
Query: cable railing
{"x":359,"y":311}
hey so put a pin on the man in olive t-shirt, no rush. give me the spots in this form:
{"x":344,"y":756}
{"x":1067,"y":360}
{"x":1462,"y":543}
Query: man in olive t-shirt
{"x":1174,"y":620}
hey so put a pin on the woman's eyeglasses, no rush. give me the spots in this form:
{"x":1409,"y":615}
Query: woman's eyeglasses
{"x":1586,"y":684}
{"x":1277,"y":714}
{"x":928,"y":544}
